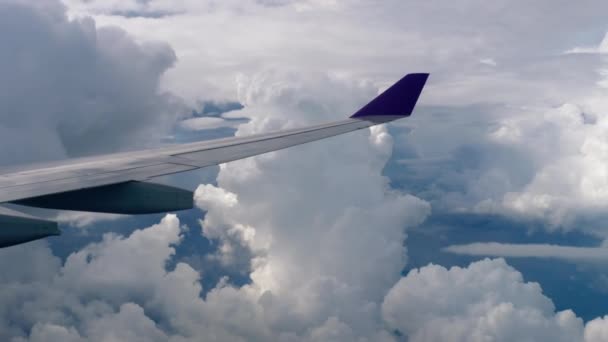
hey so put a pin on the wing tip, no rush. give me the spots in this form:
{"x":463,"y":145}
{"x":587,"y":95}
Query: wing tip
{"x":397,"y":101}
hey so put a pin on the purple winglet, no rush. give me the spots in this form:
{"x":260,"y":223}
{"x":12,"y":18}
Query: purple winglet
{"x":398,"y":100}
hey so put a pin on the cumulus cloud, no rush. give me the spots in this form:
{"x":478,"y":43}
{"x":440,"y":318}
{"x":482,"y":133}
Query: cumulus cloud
{"x":597,"y":330}
{"x":71,"y":88}
{"x":505,"y":116}
{"x":116,"y":289}
{"x":320,"y":236}
{"x":539,"y":162}
{"x":321,"y":253}
{"x":488,"y":300}
{"x":566,"y":146}
{"x":398,"y":38}
{"x":313,"y":211}
{"x":92,"y":295}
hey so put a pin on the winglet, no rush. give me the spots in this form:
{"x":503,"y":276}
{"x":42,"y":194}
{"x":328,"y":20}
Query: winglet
{"x":398,"y":100}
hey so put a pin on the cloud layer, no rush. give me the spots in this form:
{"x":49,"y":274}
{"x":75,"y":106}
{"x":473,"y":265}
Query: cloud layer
{"x":488,"y":300}
{"x":512,"y":102}
{"x":511,"y":124}
{"x":121,"y":289}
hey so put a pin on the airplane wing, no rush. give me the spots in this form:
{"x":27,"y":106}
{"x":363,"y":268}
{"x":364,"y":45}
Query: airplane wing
{"x":116,"y":183}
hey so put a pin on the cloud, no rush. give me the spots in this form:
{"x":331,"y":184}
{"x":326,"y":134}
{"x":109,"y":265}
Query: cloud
{"x":327,"y":36}
{"x":317,"y":228}
{"x":71,"y":88}
{"x":507,"y":130}
{"x":497,"y":123}
{"x":89,"y":296}
{"x":94,"y":298}
{"x":116,"y":289}
{"x":567,"y":148}
{"x":124,"y":279}
{"x":299,"y":235}
{"x":597,"y":330}
{"x":305,"y":222}
{"x":540,"y":162}
{"x":488,"y":300}
{"x":572,"y":253}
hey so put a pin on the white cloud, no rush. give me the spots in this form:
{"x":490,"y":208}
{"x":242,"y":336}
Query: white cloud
{"x":88,"y":296}
{"x":573,"y":253}
{"x":52,"y":332}
{"x":515,"y":115}
{"x":597,"y":330}
{"x":72,"y":88}
{"x":488,"y":300}
{"x":129,"y":324}
{"x":313,"y":211}
{"x":142,"y":257}
{"x":566,"y":147}
{"x":216,"y":39}
{"x":321,"y":236}
{"x":322,"y":253}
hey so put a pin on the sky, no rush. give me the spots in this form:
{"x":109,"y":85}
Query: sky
{"x":480,"y":218}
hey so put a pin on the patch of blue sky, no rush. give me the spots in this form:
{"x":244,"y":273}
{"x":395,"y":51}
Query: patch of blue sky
{"x":216,"y":109}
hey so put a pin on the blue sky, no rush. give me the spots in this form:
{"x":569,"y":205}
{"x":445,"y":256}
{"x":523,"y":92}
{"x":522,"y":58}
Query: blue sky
{"x":420,"y":230}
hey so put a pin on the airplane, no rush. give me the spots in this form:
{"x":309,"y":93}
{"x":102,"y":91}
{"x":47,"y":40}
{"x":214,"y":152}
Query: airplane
{"x":119,"y":183}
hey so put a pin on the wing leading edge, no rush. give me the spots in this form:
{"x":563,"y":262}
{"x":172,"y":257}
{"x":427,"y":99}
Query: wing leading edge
{"x":26,"y":183}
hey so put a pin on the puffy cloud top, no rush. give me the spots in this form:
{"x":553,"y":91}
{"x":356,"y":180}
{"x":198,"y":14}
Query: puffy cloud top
{"x":486,"y":301}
